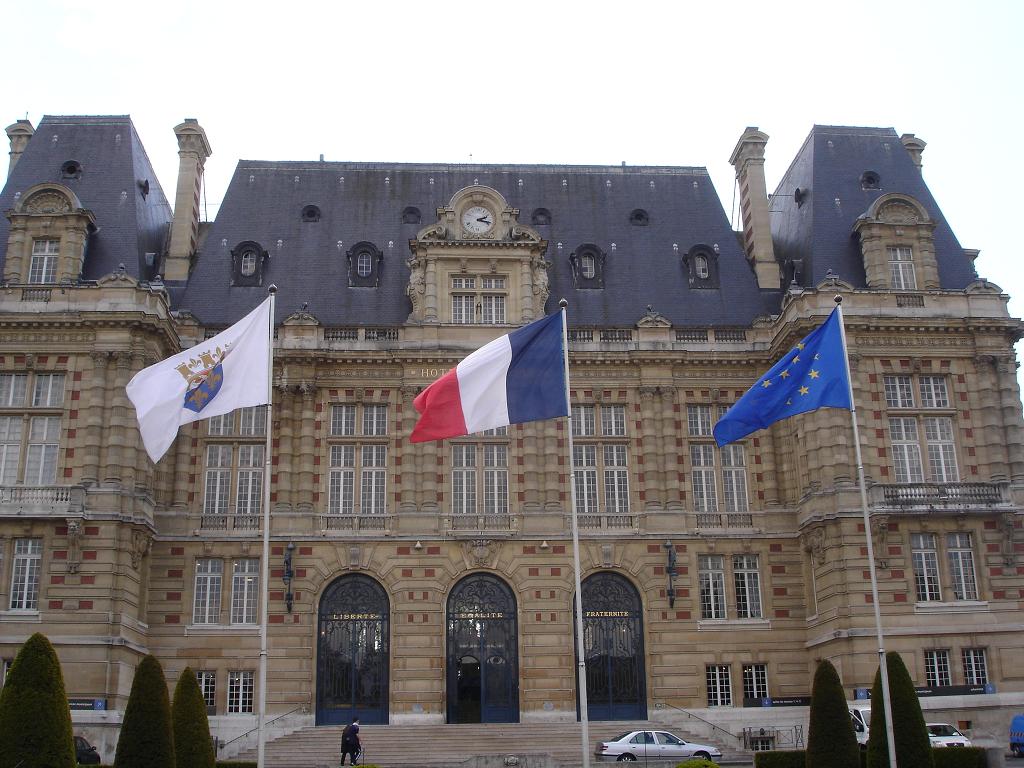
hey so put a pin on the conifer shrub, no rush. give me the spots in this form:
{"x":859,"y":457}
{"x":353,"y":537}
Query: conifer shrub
{"x":35,"y":722}
{"x":831,"y":742}
{"x":790,"y":758}
{"x":960,"y":757}
{"x":146,"y":740}
{"x":913,"y":748}
{"x":192,"y":745}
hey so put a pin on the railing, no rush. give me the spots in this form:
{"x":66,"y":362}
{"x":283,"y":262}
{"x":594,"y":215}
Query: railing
{"x":579,"y":336}
{"x":725,"y":519}
{"x":473,"y":522}
{"x":616,"y":335}
{"x":773,"y":737}
{"x":909,"y":300}
{"x":716,"y":728}
{"x":692,"y":334}
{"x":729,"y":334}
{"x":231,"y":522}
{"x":607,"y":522}
{"x":300,"y":708}
{"x":923,"y":495}
{"x":35,"y":294}
{"x":360,"y":334}
{"x":353,"y":523}
{"x":41,"y":499}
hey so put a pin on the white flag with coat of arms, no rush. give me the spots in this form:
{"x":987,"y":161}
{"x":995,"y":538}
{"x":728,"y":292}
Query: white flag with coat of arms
{"x":216,"y":376}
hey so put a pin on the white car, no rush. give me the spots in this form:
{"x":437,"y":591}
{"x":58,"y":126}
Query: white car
{"x":945,"y":735}
{"x":648,"y":745}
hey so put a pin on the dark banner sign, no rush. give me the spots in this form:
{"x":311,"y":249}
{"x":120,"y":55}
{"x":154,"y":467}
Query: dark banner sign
{"x":779,"y":701}
{"x":78,"y":705}
{"x":938,"y":690}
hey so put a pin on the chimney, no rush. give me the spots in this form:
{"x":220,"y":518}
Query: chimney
{"x":915,"y":147}
{"x":19,"y":133}
{"x":193,"y":149}
{"x":748,"y":160}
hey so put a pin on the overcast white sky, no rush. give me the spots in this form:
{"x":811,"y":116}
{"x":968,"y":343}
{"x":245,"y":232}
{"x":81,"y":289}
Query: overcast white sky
{"x":545,"y":82}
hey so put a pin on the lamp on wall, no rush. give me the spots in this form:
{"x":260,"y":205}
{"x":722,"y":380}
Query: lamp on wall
{"x":670,"y":570}
{"x":287,"y":575}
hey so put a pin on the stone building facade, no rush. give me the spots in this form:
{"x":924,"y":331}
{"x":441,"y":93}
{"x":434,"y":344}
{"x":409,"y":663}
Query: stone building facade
{"x":434,"y":582}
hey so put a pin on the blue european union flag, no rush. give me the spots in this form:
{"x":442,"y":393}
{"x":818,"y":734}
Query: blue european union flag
{"x":812,"y":376}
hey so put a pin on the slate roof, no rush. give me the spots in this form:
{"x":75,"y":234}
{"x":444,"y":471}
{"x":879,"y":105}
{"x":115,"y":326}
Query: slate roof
{"x":828,"y":168}
{"x":113,"y":161}
{"x":364,"y":202}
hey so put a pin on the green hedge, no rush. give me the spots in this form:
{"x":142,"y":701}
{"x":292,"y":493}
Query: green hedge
{"x":697,"y":762}
{"x":796,"y":758}
{"x":960,"y":757}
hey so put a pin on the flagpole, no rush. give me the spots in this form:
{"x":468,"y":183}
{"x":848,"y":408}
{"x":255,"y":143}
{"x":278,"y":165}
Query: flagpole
{"x":882,"y":669}
{"x":265,"y":560}
{"x":581,"y":663}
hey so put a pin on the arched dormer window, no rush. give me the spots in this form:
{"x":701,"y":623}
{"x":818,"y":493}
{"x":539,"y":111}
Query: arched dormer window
{"x":411,"y":215}
{"x":310,"y":214}
{"x":364,"y":265}
{"x":701,"y":265}
{"x":48,"y":236}
{"x":248,"y":260}
{"x":588,"y":263}
{"x":897,"y":244}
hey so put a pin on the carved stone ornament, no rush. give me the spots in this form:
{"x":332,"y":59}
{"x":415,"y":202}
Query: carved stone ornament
{"x":436,"y":231}
{"x":74,"y":545}
{"x":480,"y":552}
{"x":522,"y":233}
{"x":355,"y":556}
{"x":897,"y":212}
{"x":652,"y":319}
{"x":47,"y":203}
{"x":1009,"y":554}
{"x":814,"y":544}
{"x":141,"y":543}
{"x":880,"y":540}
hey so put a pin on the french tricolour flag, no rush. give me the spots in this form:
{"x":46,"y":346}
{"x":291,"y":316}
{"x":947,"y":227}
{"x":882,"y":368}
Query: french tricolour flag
{"x":519,"y":377}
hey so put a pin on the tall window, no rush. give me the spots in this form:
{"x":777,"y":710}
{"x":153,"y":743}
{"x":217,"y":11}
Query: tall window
{"x":206,"y":604}
{"x":906,"y":450}
{"x":901,"y":268}
{"x":748,"y":586}
{"x":713,"y":479}
{"x":28,"y":555}
{"x":755,"y":681}
{"x":218,"y":479}
{"x":925,"y":558}
{"x":906,"y":431}
{"x":464,"y":479}
{"x":600,"y":460}
{"x":43,"y":267}
{"x":711,"y":570}
{"x":245,"y":582}
{"x":234,"y":468}
{"x":961,"y":566}
{"x":479,"y":466}
{"x":352,"y":460}
{"x":975,"y":666}
{"x":479,"y":299}
{"x":207,"y":680}
{"x":734,"y":477}
{"x":30,"y":437}
{"x":702,"y":477}
{"x":250,"y":479}
{"x":698,"y":420}
{"x":936,"y":668}
{"x":240,"y":688}
{"x":719,"y":685}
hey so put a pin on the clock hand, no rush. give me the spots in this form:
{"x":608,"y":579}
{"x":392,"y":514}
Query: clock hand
{"x":484,"y":219}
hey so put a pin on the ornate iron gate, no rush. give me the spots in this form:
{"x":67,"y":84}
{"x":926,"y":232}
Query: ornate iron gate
{"x":613,"y":644}
{"x":352,"y":652}
{"x":482,"y":652}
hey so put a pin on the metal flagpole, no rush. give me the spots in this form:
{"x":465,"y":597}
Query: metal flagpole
{"x":265,"y":561}
{"x":882,"y":670}
{"x":581,"y":662}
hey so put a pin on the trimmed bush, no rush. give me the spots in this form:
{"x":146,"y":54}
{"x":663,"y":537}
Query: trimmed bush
{"x":831,"y":742}
{"x":793,"y":758}
{"x":146,"y":740}
{"x":913,"y":747}
{"x":35,"y":722}
{"x":960,"y":757}
{"x":192,"y":745}
{"x":697,"y":762}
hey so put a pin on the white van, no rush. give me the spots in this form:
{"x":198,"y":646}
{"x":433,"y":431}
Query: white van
{"x":861,"y":716}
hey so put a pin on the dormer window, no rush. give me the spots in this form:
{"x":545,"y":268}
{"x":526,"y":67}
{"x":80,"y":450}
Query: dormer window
{"x":901,"y":268}
{"x":587,"y":263}
{"x":897,"y":244}
{"x":701,"y":265}
{"x":310,"y":214}
{"x":540,"y":217}
{"x":411,"y":215}
{"x":248,"y":261}
{"x":639,"y":218}
{"x":43,"y":267}
{"x":364,"y":264}
{"x":71,"y":169}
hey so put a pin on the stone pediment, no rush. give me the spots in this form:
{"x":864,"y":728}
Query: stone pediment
{"x":652,"y":319}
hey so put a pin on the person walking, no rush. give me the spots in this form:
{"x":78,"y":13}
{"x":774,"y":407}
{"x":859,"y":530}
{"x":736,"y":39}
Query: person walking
{"x":350,"y":744}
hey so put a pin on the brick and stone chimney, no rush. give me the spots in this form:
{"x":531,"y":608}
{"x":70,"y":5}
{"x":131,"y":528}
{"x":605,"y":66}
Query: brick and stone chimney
{"x":915,"y":147}
{"x":748,"y":160}
{"x":19,"y":133}
{"x":193,"y":149}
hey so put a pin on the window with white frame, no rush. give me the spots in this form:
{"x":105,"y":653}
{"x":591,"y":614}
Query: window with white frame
{"x":925,"y":558}
{"x":26,"y":565}
{"x":698,"y":420}
{"x":899,"y":391}
{"x":479,"y":299}
{"x":218,"y":479}
{"x":906,"y":450}
{"x":755,"y":681}
{"x":936,"y":669}
{"x":711,"y":479}
{"x":250,"y":480}
{"x":975,"y":666}
{"x":476,"y":466}
{"x":913,"y":437}
{"x":245,"y":582}
{"x":960,"y":556}
{"x":901,"y":268}
{"x":933,"y":392}
{"x":702,"y":477}
{"x":375,"y":420}
{"x":747,"y":580}
{"x":464,"y":478}
{"x":938,"y":433}
{"x":719,"y":686}
{"x":734,"y":477}
{"x":240,"y":690}
{"x":711,"y":578}
{"x":29,"y":438}
{"x":234,"y":469}
{"x":600,"y":469}
{"x":43,"y":266}
{"x":341,"y":480}
{"x":373,"y":478}
{"x":343,"y":420}
{"x":355,"y":464}
{"x":207,"y":680}
{"x":206,"y":600}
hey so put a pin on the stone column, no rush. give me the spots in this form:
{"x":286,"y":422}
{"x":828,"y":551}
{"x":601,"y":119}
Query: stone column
{"x":986,"y":408}
{"x":306,"y":405}
{"x":115,"y":468}
{"x":1009,"y":392}
{"x":430,"y":293}
{"x":669,"y":451}
{"x":284,"y":406}
{"x":526,"y":291}
{"x":407,"y":467}
{"x":646,"y":450}
{"x":92,"y":410}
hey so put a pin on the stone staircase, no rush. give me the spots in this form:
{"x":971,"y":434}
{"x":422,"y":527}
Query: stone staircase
{"x":544,"y":745}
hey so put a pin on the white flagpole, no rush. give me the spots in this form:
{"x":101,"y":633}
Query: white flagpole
{"x":265,"y":561}
{"x":581,"y":662}
{"x":882,"y":670}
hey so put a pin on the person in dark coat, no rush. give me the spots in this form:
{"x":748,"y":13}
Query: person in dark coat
{"x":350,"y":744}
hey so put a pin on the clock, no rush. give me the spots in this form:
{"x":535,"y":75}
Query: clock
{"x":477,"y":220}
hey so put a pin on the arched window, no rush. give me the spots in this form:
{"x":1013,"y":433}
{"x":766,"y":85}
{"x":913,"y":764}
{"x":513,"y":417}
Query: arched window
{"x":248,"y":262}
{"x":700,"y":267}
{"x":587,"y":266}
{"x":364,"y":264}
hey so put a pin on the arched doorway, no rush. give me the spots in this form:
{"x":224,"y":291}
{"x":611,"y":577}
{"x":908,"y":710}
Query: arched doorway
{"x":613,"y":645}
{"x":352,"y":652}
{"x":482,"y":652}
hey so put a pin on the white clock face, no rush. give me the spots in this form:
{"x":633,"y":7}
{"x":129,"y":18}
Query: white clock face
{"x":476,"y":220}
